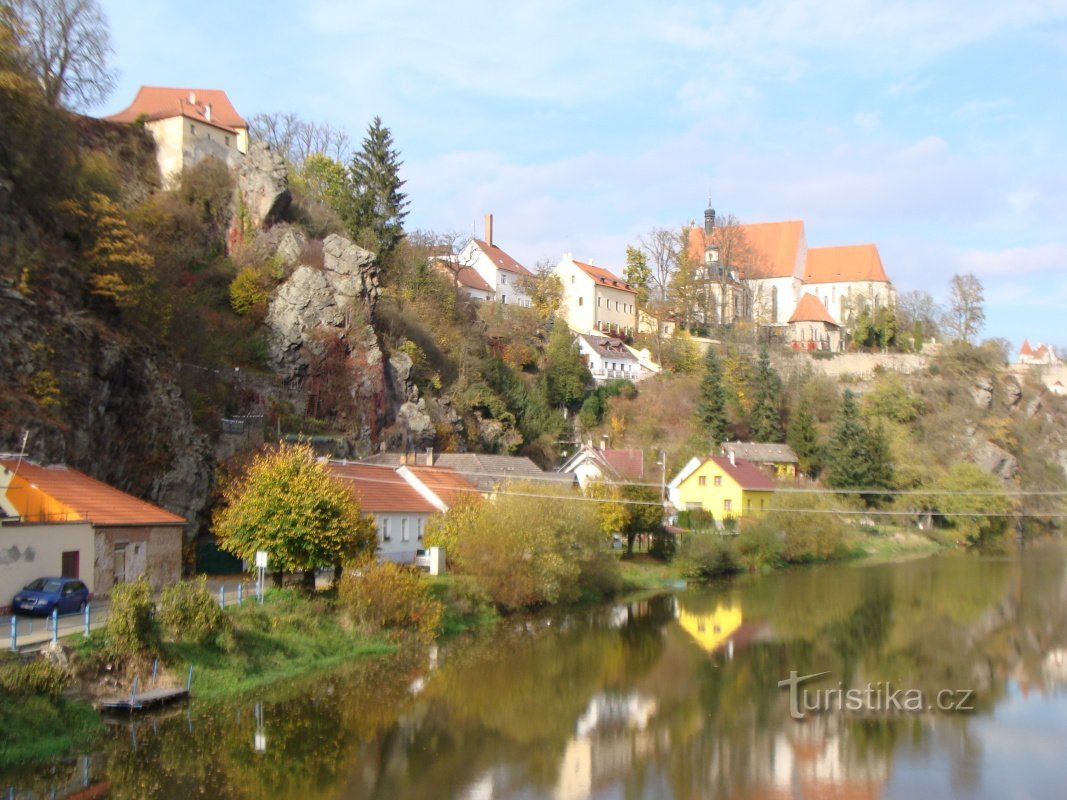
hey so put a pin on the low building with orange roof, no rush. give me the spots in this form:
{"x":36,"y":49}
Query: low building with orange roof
{"x":58,"y":521}
{"x":465,"y":279}
{"x":811,"y":327}
{"x":507,"y":280}
{"x":596,"y":300}
{"x":188,"y":125}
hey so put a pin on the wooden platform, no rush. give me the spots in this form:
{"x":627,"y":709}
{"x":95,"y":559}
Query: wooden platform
{"x":144,"y":701}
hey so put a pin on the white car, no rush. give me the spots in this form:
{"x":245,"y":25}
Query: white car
{"x":422,"y":559}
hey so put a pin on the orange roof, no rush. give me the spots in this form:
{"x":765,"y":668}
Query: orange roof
{"x":380,"y":488}
{"x":811,"y":309}
{"x":41,"y":494}
{"x":160,"y":102}
{"x":502,"y":259}
{"x":1026,"y":349}
{"x":777,"y":246}
{"x":604,"y":278}
{"x":446,"y":483}
{"x":465,"y":276}
{"x":857,"y":262}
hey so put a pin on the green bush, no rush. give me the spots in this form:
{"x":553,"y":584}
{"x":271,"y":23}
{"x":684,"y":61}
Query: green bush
{"x":39,"y":676}
{"x":600,"y":576}
{"x":706,"y":555}
{"x":696,"y":519}
{"x":188,"y":612}
{"x":759,"y":545}
{"x":390,"y":597}
{"x":131,"y":628}
{"x":663,"y":546}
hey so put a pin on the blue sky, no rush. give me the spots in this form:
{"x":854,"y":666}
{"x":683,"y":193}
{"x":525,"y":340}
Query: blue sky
{"x":934,"y":128}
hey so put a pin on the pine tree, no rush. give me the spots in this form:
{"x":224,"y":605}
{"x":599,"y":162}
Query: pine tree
{"x":380,"y":206}
{"x":711,"y":409}
{"x":858,"y":457}
{"x":804,"y":440}
{"x":765,"y":423}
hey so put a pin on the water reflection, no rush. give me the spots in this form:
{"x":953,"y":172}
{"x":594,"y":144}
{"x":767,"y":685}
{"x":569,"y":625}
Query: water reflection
{"x":667,"y":697}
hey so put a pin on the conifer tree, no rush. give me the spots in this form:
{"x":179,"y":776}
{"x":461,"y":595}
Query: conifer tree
{"x":804,"y":440}
{"x":858,"y":457}
{"x":765,"y":422}
{"x":711,"y":409}
{"x":380,"y":206}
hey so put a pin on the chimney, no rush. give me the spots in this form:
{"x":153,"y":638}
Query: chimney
{"x":604,"y":442}
{"x":192,"y":98}
{"x":709,"y":218}
{"x":732,"y":462}
{"x":429,"y":456}
{"x":489,"y":229}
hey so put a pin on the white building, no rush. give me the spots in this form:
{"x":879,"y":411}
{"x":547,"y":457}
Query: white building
{"x":507,"y":279}
{"x":596,"y":300}
{"x":611,"y":359}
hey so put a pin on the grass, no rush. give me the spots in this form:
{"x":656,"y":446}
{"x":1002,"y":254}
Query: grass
{"x":645,"y":573}
{"x":37,"y":727}
{"x":894,"y":544}
{"x":465,"y":608}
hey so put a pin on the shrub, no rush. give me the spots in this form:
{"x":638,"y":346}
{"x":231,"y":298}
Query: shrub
{"x":663,"y":545}
{"x":39,"y":676}
{"x":388,"y":596}
{"x":131,"y":628}
{"x":706,"y":555}
{"x":187,"y":611}
{"x":759,"y":544}
{"x":810,"y":528}
{"x":600,"y":575}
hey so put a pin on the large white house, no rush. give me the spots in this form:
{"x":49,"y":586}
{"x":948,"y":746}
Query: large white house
{"x":596,"y":300}
{"x":507,"y":280}
{"x":188,"y":125}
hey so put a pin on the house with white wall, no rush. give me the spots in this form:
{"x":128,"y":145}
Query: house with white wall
{"x":506,"y":278}
{"x":188,"y":125}
{"x":465,"y":279}
{"x":58,"y":521}
{"x":848,"y":279}
{"x":602,"y":464}
{"x":401,"y":499}
{"x":596,"y":300}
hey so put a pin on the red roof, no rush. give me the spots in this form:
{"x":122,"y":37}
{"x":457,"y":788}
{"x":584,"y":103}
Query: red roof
{"x":1026,"y":349}
{"x":446,"y":483}
{"x":465,"y":276}
{"x":502,"y":259}
{"x":857,"y":262}
{"x":777,"y":247}
{"x":811,"y":309}
{"x":380,"y":488}
{"x":745,"y":473}
{"x":628,"y":464}
{"x":604,"y":278}
{"x":79,"y":495}
{"x":161,"y":102}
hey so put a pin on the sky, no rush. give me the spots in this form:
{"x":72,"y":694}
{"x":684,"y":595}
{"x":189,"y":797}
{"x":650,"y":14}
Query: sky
{"x":934,"y":128}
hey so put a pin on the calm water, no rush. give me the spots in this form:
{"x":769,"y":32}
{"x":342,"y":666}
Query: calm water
{"x":674,"y":697}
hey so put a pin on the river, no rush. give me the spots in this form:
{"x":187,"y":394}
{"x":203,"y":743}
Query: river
{"x":667,"y":697}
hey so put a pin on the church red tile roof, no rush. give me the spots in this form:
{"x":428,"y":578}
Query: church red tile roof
{"x":161,"y":102}
{"x":811,"y":309}
{"x":777,"y":246}
{"x":858,"y":262}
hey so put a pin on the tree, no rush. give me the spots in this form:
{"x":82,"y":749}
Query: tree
{"x":857,"y":457}
{"x":974,"y":504}
{"x":545,"y":289}
{"x":684,"y":286}
{"x":765,"y":419}
{"x":965,"y":315}
{"x":804,"y":440}
{"x":628,"y":510}
{"x":567,"y":378}
{"x":380,"y":205}
{"x":288,"y":504}
{"x":917,"y":308}
{"x":638,"y":273}
{"x":661,"y":245}
{"x":711,"y":408}
{"x":66,"y":45}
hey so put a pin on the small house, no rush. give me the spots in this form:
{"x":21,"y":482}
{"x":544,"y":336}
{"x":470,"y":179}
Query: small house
{"x":776,"y":460}
{"x":725,"y":487}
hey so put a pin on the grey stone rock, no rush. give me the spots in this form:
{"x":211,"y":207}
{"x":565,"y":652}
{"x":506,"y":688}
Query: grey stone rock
{"x":263,"y":185}
{"x":982,"y":392}
{"x":1033,"y":407}
{"x":996,"y":460}
{"x":1013,"y":392}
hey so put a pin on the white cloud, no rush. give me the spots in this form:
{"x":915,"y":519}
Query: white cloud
{"x":1016,"y":261}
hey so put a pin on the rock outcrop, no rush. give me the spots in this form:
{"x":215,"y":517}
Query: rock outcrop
{"x":262,"y":186}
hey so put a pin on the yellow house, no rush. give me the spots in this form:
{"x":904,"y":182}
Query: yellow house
{"x":711,"y":629}
{"x":725,"y":486}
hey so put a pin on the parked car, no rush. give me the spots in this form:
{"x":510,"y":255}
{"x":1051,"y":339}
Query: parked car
{"x":69,"y":595}
{"x":422,"y":559}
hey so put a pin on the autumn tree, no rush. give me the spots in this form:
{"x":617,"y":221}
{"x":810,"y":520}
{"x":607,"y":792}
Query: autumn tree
{"x":567,"y":378}
{"x":661,"y":247}
{"x":711,"y":408}
{"x":67,"y":45}
{"x":381,"y":206}
{"x":638,"y":273}
{"x":287,"y":504}
{"x":684,"y":286}
{"x":973,"y":503}
{"x":965,"y":315}
{"x":628,"y":510}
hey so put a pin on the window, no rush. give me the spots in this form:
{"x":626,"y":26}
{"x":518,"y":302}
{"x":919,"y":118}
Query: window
{"x":420,"y":521}
{"x":192,"y":130}
{"x":572,"y":279}
{"x":616,"y":305}
{"x":504,"y":279}
{"x":385,"y":530}
{"x":581,"y":301}
{"x":226,"y":139}
{"x":718,"y":480}
{"x":598,"y":301}
{"x":727,"y":505}
{"x":404,"y":529}
{"x":703,"y":481}
{"x":503,"y":299}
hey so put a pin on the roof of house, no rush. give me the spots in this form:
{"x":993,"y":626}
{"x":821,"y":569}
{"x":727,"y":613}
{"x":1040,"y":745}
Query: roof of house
{"x":746,"y":474}
{"x":607,"y":346}
{"x":761,"y":452}
{"x":163,"y":102}
{"x":80,"y":496}
{"x":446,"y":483}
{"x":811,"y":309}
{"x":380,"y":488}
{"x":501,"y":259}
{"x":777,"y":246}
{"x":1026,"y":349}
{"x":486,"y":471}
{"x":623,"y":464}
{"x":465,"y":276}
{"x":855,"y":262}
{"x":604,"y":278}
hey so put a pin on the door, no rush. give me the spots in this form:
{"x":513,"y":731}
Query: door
{"x":71,"y":561}
{"x":119,"y":563}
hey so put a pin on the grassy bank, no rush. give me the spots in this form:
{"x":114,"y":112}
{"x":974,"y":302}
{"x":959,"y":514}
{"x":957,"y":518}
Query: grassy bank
{"x":37,"y":727}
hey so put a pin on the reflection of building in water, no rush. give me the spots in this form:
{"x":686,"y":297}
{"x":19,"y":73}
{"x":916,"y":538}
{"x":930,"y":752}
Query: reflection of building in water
{"x":609,"y":737}
{"x":1049,"y":674}
{"x":815,"y":760}
{"x":722,"y":628}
